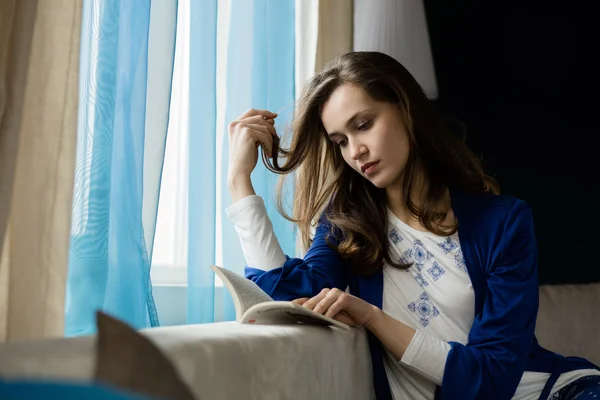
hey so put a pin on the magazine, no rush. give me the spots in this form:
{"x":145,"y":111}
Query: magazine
{"x":254,"y":306}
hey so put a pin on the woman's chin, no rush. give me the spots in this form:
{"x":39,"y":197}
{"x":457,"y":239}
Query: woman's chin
{"x":378,"y":182}
{"x":381,"y":181}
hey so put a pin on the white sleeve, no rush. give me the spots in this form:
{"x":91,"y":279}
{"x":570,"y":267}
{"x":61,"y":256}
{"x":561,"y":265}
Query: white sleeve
{"x":260,"y":246}
{"x":427,"y":355}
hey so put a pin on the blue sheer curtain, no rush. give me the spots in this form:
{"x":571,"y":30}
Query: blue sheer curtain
{"x":202,"y":160}
{"x":126,"y":66}
{"x":260,"y":74}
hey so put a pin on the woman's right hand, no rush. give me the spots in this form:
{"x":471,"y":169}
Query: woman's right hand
{"x":251,"y":129}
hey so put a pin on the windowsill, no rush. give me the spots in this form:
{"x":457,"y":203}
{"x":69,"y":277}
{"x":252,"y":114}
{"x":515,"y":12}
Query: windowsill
{"x":155,"y":285}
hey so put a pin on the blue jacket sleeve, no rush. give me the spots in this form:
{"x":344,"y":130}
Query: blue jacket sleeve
{"x":491,"y":365}
{"x":321,"y":268}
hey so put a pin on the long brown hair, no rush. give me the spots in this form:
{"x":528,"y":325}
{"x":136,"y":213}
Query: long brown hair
{"x":356,"y":208}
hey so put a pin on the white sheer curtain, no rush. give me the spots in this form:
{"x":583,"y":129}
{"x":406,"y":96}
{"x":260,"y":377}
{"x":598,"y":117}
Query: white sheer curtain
{"x":169,"y":257}
{"x":397,"y":28}
{"x":169,"y":262}
{"x":171,"y":244}
{"x":307,"y":33}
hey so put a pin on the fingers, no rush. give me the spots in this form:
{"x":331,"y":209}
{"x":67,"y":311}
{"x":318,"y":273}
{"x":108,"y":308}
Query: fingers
{"x":332,"y":303}
{"x":255,"y":120}
{"x":264,"y":131}
{"x":338,"y":306}
{"x":261,"y":134}
{"x":253,"y":112}
{"x":313,"y":301}
{"x":329,"y":302}
{"x":300,"y":301}
{"x":258,"y":119}
{"x":344,"y":318}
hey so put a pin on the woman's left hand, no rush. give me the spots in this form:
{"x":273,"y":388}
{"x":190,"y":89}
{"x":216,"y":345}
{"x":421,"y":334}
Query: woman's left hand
{"x":341,"y":306}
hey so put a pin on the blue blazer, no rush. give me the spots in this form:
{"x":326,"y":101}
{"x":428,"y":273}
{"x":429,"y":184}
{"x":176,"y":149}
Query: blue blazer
{"x":498,"y":243}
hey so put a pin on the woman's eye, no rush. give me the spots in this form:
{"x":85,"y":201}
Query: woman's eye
{"x":342,"y":143}
{"x":364,"y":125}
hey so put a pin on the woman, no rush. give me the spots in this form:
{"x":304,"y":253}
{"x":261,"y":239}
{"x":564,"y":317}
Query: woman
{"x":441,"y":269}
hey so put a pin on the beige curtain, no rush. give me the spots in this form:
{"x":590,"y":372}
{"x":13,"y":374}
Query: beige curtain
{"x":335,"y":36}
{"x":39,"y":55}
{"x":336,"y":23}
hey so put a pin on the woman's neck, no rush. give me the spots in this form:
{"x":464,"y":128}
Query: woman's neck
{"x":397,"y":204}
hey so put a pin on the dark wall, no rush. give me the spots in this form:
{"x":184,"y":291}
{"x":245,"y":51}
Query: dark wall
{"x":522,"y":77}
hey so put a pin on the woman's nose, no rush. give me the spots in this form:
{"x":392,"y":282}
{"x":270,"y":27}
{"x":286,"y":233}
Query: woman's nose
{"x":357,"y":149}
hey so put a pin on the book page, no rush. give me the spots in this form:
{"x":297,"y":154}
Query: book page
{"x":244,"y":292}
{"x":286,"y":312}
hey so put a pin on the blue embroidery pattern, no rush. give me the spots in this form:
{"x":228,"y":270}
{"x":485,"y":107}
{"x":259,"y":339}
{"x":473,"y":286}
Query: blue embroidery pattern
{"x":436,"y":271}
{"x":448,"y":245}
{"x":419,"y":253}
{"x":395,"y":237}
{"x":459,"y":260}
{"x":403,"y":260}
{"x":424,"y":308}
{"x":420,"y":280}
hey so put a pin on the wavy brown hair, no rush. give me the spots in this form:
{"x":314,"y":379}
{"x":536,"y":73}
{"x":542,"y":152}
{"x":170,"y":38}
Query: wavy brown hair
{"x":356,"y":208}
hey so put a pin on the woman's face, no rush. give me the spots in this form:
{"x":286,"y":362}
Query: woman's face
{"x":371,"y":135}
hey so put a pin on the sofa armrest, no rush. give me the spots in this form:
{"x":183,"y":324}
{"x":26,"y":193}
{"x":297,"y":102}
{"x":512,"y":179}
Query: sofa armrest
{"x":225,"y":360}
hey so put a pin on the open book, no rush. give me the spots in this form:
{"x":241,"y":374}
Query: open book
{"x":254,"y":306}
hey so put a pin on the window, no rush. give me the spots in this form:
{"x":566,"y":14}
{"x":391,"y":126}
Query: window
{"x":169,"y":260}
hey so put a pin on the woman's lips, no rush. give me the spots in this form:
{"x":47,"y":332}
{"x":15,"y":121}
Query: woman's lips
{"x":369,"y":168}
